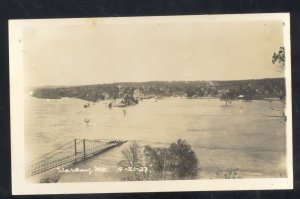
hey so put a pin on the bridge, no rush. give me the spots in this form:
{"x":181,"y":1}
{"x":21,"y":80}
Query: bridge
{"x":72,"y":152}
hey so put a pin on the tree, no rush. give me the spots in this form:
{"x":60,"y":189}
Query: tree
{"x":249,"y":93}
{"x":279,"y":58}
{"x":190,"y":92}
{"x":114,"y":92}
{"x":129,"y":100}
{"x":178,"y":160}
{"x":183,"y":162}
{"x":132,"y":161}
{"x":155,"y":157}
{"x":227,"y":96}
{"x":157,"y":160}
{"x":132,"y":156}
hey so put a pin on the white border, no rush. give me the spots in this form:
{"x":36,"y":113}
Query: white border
{"x":21,"y":187}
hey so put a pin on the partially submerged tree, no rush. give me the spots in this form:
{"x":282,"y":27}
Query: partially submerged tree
{"x":226,"y":96}
{"x":249,"y":93}
{"x":87,"y":121}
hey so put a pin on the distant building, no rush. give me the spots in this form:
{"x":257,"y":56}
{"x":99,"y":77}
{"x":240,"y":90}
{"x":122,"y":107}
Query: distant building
{"x":211,"y":83}
{"x":222,"y":92}
{"x":118,"y":103}
{"x":241,"y":96}
{"x":138,"y":93}
{"x":105,"y":95}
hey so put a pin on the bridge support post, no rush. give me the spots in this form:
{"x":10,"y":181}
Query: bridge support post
{"x":75,"y":147}
{"x":84,"y":149}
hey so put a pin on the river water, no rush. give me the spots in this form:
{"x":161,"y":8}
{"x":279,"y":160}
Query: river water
{"x":241,"y":135}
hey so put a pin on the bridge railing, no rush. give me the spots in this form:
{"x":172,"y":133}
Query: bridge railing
{"x":70,"y":152}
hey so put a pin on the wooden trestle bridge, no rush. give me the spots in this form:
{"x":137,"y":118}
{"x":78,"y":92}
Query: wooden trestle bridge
{"x":70,"y":153}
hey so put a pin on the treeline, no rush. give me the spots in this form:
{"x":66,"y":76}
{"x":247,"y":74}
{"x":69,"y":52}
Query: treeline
{"x":254,"y":89}
{"x":178,"y":161}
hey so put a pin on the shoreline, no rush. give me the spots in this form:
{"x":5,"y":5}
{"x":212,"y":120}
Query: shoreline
{"x":160,"y":98}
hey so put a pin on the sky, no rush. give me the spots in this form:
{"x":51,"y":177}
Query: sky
{"x":185,"y":50}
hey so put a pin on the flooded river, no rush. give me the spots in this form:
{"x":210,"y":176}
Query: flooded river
{"x":242,"y":135}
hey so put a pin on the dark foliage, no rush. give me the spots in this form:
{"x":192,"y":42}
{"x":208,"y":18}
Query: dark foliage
{"x":279,"y":58}
{"x":183,"y":160}
{"x":179,"y":161}
{"x":252,"y":89}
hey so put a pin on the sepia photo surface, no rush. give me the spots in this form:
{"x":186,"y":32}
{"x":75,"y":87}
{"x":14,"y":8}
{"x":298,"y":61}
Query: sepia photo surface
{"x":139,"y":104}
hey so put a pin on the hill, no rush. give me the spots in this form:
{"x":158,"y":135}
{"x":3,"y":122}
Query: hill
{"x":256,"y":88}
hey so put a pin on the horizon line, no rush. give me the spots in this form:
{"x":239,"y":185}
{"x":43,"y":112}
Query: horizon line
{"x":92,"y":84}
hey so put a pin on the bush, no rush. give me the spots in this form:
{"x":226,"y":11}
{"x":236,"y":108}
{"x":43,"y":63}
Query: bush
{"x":179,"y":160}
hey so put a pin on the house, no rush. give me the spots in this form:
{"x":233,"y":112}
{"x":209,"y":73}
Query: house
{"x":105,"y":95}
{"x":241,"y":97}
{"x":222,"y":92}
{"x":138,"y":93}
